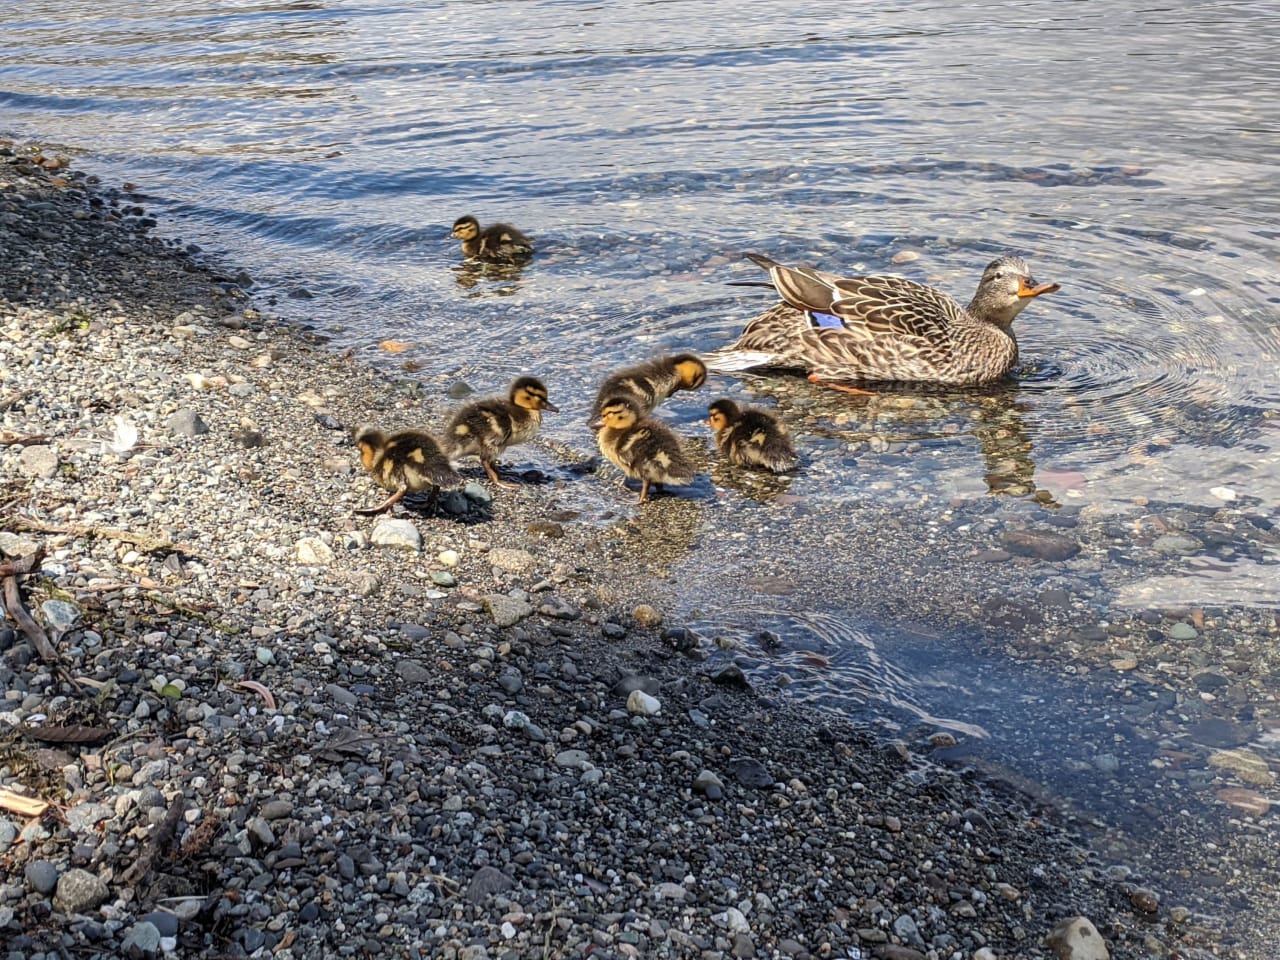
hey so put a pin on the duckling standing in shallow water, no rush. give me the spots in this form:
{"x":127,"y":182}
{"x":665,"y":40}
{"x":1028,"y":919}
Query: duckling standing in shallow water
{"x":751,"y":437}
{"x":640,"y":446}
{"x":487,"y":427}
{"x":496,"y":243}
{"x":649,"y":383}
{"x":407,"y":461}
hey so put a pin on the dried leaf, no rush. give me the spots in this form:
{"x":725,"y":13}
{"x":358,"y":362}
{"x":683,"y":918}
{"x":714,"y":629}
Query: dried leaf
{"x":260,"y":690}
{"x":23,"y":806}
{"x":74,"y":733}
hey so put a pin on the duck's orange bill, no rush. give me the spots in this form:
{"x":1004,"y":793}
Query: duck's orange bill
{"x":1026,"y":290}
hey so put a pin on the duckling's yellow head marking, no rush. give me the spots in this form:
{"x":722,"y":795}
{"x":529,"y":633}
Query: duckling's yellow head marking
{"x":619,"y":413}
{"x":721,"y":414}
{"x":371,"y":443}
{"x":531,"y":393}
{"x":691,"y":371}
{"x":466,"y":228}
{"x":461,"y":430}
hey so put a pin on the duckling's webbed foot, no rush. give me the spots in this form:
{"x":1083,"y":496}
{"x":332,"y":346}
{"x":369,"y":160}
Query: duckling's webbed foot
{"x":644,"y":491}
{"x":386,"y":505}
{"x":493,"y":475}
{"x":842,"y":387}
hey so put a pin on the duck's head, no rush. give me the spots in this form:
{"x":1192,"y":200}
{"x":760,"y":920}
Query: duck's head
{"x":690,"y":369}
{"x":722,"y":414}
{"x":617,"y":413}
{"x":466,"y":228}
{"x":371,"y":442}
{"x":531,"y":393}
{"x":1005,"y":289}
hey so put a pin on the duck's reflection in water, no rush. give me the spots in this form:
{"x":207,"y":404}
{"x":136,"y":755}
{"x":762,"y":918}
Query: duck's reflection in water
{"x":897,"y":420}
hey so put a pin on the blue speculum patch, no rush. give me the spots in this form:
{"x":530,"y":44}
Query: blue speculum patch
{"x":824,"y":319}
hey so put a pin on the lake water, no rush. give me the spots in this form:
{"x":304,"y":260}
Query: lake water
{"x":1130,"y":151}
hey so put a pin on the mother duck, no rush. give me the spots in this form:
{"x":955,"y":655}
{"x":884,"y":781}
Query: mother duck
{"x":885,"y":328}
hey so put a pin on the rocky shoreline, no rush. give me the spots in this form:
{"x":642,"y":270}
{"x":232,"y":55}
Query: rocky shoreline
{"x":275,"y":728}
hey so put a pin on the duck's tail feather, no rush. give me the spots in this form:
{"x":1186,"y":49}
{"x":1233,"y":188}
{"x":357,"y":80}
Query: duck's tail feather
{"x":732,"y":361}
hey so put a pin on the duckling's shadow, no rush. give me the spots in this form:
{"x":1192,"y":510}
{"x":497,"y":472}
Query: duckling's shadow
{"x":452,"y":505}
{"x":498,"y":279}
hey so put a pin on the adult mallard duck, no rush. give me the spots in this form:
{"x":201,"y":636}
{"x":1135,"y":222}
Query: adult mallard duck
{"x":640,"y":446}
{"x":407,"y":461}
{"x":496,"y":243}
{"x":484,"y":428}
{"x":885,"y":328}
{"x":750,"y":437}
{"x":651,"y":382}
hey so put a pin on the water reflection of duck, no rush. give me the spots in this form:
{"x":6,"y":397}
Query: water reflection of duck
{"x":505,"y":278}
{"x":885,"y":328}
{"x":993,"y":416}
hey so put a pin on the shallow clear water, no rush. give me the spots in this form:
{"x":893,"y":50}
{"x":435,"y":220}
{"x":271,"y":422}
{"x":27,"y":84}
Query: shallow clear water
{"x":1128,"y":151}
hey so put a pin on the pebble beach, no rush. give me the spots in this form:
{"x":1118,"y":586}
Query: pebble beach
{"x":275,"y":728}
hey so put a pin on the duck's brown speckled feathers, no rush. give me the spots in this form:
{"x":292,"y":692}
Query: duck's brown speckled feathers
{"x":641,"y":447}
{"x":750,"y":437}
{"x":484,"y":428}
{"x":652,"y":382}
{"x":496,"y":243}
{"x":406,"y":461}
{"x":885,"y":328}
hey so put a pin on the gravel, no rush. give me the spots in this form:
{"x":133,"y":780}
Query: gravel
{"x":297,"y":737}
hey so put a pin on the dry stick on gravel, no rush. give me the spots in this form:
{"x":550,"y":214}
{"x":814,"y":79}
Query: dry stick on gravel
{"x":18,"y":611}
{"x":161,"y":839}
{"x":146,"y":542}
{"x":8,"y":438}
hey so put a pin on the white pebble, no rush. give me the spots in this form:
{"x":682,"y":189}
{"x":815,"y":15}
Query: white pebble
{"x":643,"y":704}
{"x":1225,"y":494}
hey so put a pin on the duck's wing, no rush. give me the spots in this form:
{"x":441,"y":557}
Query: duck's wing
{"x":878,"y":307}
{"x":867,"y":306}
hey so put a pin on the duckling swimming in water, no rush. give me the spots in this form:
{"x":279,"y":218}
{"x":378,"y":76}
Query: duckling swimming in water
{"x":407,"y":461}
{"x":640,"y":446}
{"x":750,"y":437}
{"x":496,"y":243}
{"x":651,"y":382}
{"x":486,"y":427}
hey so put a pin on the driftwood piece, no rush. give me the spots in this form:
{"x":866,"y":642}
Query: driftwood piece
{"x":17,"y":609}
{"x":162,"y":837}
{"x":22,"y":805}
{"x":146,"y":542}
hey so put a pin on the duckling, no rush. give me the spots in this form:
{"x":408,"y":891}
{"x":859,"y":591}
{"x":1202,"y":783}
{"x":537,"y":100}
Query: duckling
{"x":496,"y":243}
{"x":641,"y":447}
{"x":751,"y":437}
{"x":487,"y":427}
{"x":649,"y":383}
{"x":407,"y":461}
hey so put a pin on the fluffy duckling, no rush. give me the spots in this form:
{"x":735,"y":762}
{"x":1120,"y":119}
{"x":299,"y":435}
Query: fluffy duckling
{"x":407,"y":461}
{"x":649,"y":383}
{"x":496,"y":243}
{"x":487,"y":427}
{"x":640,"y":446}
{"x":751,"y":437}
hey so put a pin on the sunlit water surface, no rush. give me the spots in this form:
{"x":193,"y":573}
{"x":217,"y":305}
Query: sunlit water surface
{"x":1128,"y":151}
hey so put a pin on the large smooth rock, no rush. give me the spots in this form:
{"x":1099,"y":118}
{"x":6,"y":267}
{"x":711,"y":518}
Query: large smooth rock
{"x":1077,"y":938}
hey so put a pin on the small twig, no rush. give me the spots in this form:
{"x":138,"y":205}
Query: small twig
{"x":8,"y":438}
{"x":17,"y":609}
{"x":146,"y":542}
